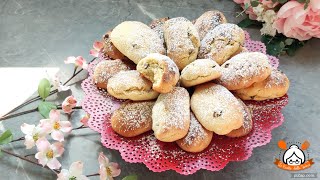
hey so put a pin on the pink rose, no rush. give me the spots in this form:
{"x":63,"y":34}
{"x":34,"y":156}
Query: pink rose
{"x":296,"y":22}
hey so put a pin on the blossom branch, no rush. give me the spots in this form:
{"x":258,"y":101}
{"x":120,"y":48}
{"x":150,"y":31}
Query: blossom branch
{"x":81,"y":127}
{"x":19,"y":139}
{"x":75,"y":73}
{"x":90,"y":175}
{"x":28,"y":160}
{"x":18,"y":114}
{"x":30,"y":111}
{"x":23,"y":138}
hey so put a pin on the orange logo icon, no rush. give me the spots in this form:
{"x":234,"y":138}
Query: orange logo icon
{"x":293,"y":157}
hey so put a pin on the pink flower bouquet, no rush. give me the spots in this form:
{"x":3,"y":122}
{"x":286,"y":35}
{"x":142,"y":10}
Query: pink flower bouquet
{"x":285,"y":23}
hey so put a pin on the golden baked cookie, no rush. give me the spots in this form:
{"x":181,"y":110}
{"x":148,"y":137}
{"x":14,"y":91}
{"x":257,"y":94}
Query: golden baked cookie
{"x":221,"y":42}
{"x":182,"y":41}
{"x":105,"y":69}
{"x":247,"y":123}
{"x":109,"y":49}
{"x":240,"y":50}
{"x":199,"y":71}
{"x":131,"y":85}
{"x":244,"y":69}
{"x":197,"y":139}
{"x":216,"y":108}
{"x":160,"y":70}
{"x":157,"y":26}
{"x":171,"y":115}
{"x":276,"y":85}
{"x":136,"y":40}
{"x":208,"y":21}
{"x":132,"y":118}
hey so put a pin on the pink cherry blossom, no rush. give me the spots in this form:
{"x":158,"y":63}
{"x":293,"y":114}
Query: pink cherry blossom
{"x":108,"y":170}
{"x":55,"y":126}
{"x":97,"y":46}
{"x":69,"y":103}
{"x":78,"y":61}
{"x":75,"y":172}
{"x":32,"y":134}
{"x":85,"y":119}
{"x":58,"y":85}
{"x":266,"y":4}
{"x":296,"y":22}
{"x":48,"y":153}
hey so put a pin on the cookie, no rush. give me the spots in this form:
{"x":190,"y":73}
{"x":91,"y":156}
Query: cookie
{"x":216,"y":108}
{"x":160,"y":70}
{"x":105,"y":69}
{"x":244,"y":69}
{"x":132,"y":118}
{"x":199,"y":71}
{"x":171,"y":115}
{"x":276,"y":85}
{"x":109,"y":49}
{"x":247,"y":123}
{"x":136,"y":40}
{"x":157,"y":26}
{"x":182,"y":41}
{"x":197,"y":139}
{"x":131,"y":85}
{"x":221,"y":42}
{"x":208,"y":21}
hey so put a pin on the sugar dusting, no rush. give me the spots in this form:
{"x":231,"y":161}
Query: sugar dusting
{"x":208,"y":21}
{"x":129,"y":81}
{"x":177,"y":34}
{"x":174,"y":107}
{"x":107,"y":68}
{"x":243,"y":67}
{"x":135,"y":115}
{"x":276,"y":78}
{"x":222,"y":35}
{"x":196,"y":132}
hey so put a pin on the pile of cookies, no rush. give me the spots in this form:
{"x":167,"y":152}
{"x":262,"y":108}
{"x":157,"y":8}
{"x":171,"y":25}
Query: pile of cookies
{"x":185,"y":80}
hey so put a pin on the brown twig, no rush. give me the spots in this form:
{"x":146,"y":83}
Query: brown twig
{"x":29,"y":155}
{"x":18,"y":114}
{"x":90,"y":175}
{"x":30,"y":111}
{"x":22,"y":138}
{"x":28,"y":160}
{"x":76,"y":107}
{"x":81,"y":127}
{"x":19,"y":139}
{"x":51,"y":93}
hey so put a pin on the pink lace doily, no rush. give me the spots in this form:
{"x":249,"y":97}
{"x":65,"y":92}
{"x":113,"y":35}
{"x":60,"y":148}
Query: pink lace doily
{"x":159,"y":156}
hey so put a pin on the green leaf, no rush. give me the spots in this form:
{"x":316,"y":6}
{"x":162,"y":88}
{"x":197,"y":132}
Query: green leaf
{"x":248,"y":22}
{"x":288,"y":41}
{"x":254,"y":3}
{"x":282,"y":1}
{"x":246,"y":5}
{"x":6,"y":137}
{"x":44,"y":88}
{"x":130,"y":177}
{"x":306,"y":4}
{"x":301,"y":1}
{"x":282,"y":45}
{"x":44,"y":108}
{"x":291,"y":50}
